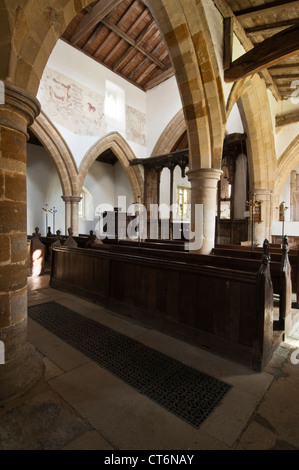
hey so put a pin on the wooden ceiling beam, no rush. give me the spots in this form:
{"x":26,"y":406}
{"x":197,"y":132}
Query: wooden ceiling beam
{"x":137,"y":69}
{"x":266,"y":28}
{"x":132,"y":42}
{"x":93,"y":17}
{"x":286,"y":69}
{"x":268,"y":8}
{"x":105,"y":65}
{"x":145,"y":73}
{"x":228,"y":33}
{"x":159,"y":78}
{"x":267,"y":53}
{"x":130,"y":30}
{"x":93,"y":36}
{"x":111,"y":34}
{"x":126,"y":56}
{"x":246,"y":42}
{"x":285,"y":76}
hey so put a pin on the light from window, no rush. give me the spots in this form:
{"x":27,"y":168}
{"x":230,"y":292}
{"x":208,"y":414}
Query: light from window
{"x":183,"y":202}
{"x":115,"y":102}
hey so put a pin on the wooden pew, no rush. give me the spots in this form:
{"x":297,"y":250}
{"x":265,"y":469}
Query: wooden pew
{"x":224,"y":310}
{"x":280,"y":277}
{"x":276,"y":256}
{"x":157,"y":244}
{"x":231,"y":262}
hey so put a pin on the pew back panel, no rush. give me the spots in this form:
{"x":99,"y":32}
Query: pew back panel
{"x":228,"y":312}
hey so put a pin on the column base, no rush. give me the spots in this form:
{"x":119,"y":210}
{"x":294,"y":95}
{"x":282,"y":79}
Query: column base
{"x":20,"y":375}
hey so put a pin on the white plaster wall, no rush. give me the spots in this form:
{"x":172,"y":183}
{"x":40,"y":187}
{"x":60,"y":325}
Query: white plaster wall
{"x":105,"y":183}
{"x":234,"y":121}
{"x":69,"y":62}
{"x":159,"y":105}
{"x":162,"y":103}
{"x":122,"y":188}
{"x":43,"y":187}
{"x":99,"y":182}
{"x":286,"y":134}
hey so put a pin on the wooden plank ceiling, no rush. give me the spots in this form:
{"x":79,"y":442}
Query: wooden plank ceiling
{"x":123,"y":36}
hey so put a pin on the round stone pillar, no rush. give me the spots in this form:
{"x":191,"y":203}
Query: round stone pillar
{"x":75,"y":214}
{"x":204,"y":195}
{"x":72,"y":213}
{"x":262,"y":230}
{"x":68,"y":213}
{"x":22,"y":368}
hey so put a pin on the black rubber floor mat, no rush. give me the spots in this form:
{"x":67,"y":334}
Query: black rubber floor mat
{"x":189,"y":394}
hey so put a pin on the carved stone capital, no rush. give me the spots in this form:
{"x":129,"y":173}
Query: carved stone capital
{"x":71,"y":199}
{"x":204,"y":177}
{"x":20,"y":108}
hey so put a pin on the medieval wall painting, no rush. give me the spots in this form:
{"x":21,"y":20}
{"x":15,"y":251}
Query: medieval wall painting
{"x":82,"y":110}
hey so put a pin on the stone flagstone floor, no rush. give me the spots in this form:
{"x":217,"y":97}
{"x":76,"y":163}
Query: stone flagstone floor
{"x":79,"y":405}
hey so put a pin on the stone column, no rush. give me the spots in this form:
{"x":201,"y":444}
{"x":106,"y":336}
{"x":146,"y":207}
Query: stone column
{"x":75,"y":214}
{"x":72,"y":213}
{"x":68,"y":213}
{"x":262,"y":230}
{"x":22,"y":368}
{"x":204,"y":192}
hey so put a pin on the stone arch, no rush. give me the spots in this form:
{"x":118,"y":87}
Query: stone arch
{"x":6,"y":49}
{"x":125,"y":155}
{"x":186,"y":32}
{"x":257,"y":121}
{"x":37,"y":27}
{"x":237,"y":89}
{"x":286,"y":163}
{"x":59,"y":151}
{"x":170,"y":135}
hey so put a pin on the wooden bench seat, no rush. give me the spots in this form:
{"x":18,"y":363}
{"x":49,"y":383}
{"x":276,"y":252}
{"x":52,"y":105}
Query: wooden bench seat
{"x":225,"y":310}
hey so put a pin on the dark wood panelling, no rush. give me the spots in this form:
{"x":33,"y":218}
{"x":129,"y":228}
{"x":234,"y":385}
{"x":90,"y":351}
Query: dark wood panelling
{"x":206,"y":305}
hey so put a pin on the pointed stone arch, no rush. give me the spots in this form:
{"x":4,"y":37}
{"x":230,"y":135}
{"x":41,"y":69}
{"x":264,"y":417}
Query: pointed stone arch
{"x":115,"y":142}
{"x":6,"y":49}
{"x":237,"y":89}
{"x":37,"y":27}
{"x":173,"y":131}
{"x":256,"y":117}
{"x":59,"y":151}
{"x":186,"y":32}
